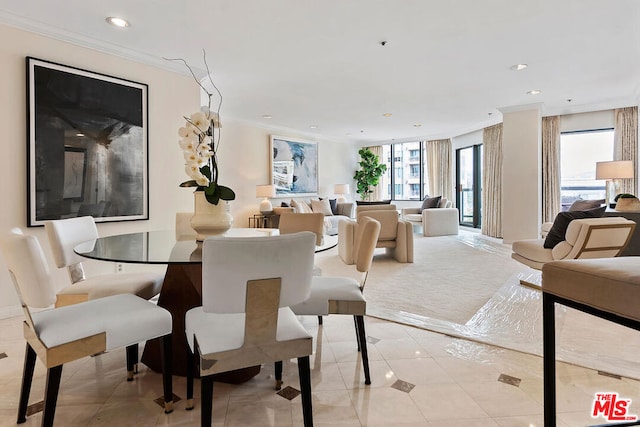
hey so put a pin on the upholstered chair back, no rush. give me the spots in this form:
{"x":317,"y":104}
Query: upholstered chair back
{"x":295,"y":222}
{"x":228,"y":263}
{"x":365,"y":208}
{"x":388,"y":221}
{"x":66,"y":234}
{"x":29,"y":270}
{"x":366,"y":239}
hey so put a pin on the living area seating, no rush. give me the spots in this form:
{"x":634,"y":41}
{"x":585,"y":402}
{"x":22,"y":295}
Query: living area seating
{"x":584,"y":238}
{"x":333,"y":212}
{"x":61,"y":335}
{"x":606,"y":288}
{"x":296,"y":222}
{"x":64,"y":235}
{"x":441,"y":221}
{"x":396,"y":235}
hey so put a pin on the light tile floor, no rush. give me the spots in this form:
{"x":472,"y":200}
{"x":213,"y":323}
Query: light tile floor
{"x":419,"y":378}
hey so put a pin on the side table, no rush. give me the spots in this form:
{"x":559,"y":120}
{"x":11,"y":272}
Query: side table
{"x":262,"y":220}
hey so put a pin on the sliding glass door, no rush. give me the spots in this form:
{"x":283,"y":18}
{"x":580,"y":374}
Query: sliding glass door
{"x":469,"y":184}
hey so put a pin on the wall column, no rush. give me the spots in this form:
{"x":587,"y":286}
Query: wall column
{"x":521,"y":172}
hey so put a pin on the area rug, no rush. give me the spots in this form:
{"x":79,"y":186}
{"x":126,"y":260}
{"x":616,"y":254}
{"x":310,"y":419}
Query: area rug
{"x":468,"y":286}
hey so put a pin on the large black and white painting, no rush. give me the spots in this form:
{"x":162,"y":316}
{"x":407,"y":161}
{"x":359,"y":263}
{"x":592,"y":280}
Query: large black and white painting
{"x":88,"y":142}
{"x":294,"y":167}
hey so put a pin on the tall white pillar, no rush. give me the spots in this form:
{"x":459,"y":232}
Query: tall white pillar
{"x":521,"y":172}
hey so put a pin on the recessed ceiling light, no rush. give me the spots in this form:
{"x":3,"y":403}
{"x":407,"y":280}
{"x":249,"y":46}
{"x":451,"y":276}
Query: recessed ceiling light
{"x":387,"y":114}
{"x":117,"y":22}
{"x":534,"y":92}
{"x":519,"y":67}
{"x":267,"y":116}
{"x":417,"y":125}
{"x":79,"y":134}
{"x":314,"y":126}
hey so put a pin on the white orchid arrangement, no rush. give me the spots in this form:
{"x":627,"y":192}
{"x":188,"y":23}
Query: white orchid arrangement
{"x":199,"y":146}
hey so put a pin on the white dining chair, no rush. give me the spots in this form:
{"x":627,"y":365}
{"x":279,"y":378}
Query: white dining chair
{"x":248,"y":285}
{"x":61,"y":335}
{"x":344,"y":295}
{"x":64,"y":235}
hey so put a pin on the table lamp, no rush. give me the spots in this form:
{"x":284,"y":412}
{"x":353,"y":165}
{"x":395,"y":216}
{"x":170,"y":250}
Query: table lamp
{"x":613,"y":172}
{"x":340,"y":190}
{"x":265,"y":191}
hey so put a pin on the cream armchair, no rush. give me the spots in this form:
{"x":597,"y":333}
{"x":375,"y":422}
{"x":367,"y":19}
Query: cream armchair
{"x":584,"y":238}
{"x":396,"y":236}
{"x":441,"y":221}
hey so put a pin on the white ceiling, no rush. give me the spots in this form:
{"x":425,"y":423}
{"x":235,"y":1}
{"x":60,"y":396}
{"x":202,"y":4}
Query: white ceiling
{"x":446,"y":64}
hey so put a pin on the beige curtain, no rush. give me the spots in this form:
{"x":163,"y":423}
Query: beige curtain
{"x":551,"y":203}
{"x":377,"y":190}
{"x":492,"y":181}
{"x":625,"y":146}
{"x":439,"y":168}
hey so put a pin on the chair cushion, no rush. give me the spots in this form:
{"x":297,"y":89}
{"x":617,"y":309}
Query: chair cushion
{"x":533,"y":249}
{"x":611,"y":284}
{"x":412,"y":217}
{"x":430,"y":203}
{"x":222,"y":332}
{"x":324,"y":289}
{"x":562,"y":220}
{"x":126,"y":319}
{"x":144,"y":285}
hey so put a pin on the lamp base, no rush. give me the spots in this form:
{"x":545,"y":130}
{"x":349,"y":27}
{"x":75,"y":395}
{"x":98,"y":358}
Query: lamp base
{"x":266,"y":207}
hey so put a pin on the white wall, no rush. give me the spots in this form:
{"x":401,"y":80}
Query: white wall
{"x":243,"y":155}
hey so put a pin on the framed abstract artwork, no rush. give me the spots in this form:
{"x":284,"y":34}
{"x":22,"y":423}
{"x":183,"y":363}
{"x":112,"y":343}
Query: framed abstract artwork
{"x":87,"y":150}
{"x":294,"y":167}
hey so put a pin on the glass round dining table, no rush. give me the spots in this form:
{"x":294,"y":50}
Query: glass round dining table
{"x":182,"y":285}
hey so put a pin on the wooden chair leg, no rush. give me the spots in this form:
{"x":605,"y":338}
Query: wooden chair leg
{"x":549,"y":359}
{"x":278,"y":370}
{"x":51,"y":395}
{"x":190,"y":375}
{"x":305,"y":389}
{"x":132,"y":360}
{"x":27,"y":377}
{"x":167,"y":372}
{"x":206,"y":410}
{"x":363,"y":348}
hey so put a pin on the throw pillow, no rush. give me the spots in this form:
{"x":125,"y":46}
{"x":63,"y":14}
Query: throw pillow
{"x":561,"y":222}
{"x":430,"y":203}
{"x":301,"y":207}
{"x":584,"y":205}
{"x":321,"y":206}
{"x":285,"y":205}
{"x":334,"y":206}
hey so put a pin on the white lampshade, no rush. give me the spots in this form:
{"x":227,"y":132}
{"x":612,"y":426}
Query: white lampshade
{"x":613,"y":172}
{"x":266,"y":191}
{"x":617,"y":169}
{"x":341,"y":189}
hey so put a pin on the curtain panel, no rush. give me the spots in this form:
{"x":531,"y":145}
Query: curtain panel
{"x":625,"y":145}
{"x":439,"y":168}
{"x":492,"y":181}
{"x":551,"y":203}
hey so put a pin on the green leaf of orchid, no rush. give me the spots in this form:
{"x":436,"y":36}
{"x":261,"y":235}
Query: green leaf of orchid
{"x":226,"y":193}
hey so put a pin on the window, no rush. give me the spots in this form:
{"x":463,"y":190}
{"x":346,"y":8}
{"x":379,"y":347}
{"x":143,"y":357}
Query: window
{"x":579,"y":152}
{"x":415,"y":171}
{"x":414,"y":155}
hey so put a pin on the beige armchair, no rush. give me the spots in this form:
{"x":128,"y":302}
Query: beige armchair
{"x":584,"y":238}
{"x":441,"y":221}
{"x":396,"y":235}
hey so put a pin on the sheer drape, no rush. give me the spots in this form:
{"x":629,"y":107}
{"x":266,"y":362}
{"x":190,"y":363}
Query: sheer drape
{"x":625,"y":146}
{"x":492,"y":181}
{"x":551,"y":203}
{"x":377,"y":190}
{"x":439,"y":168}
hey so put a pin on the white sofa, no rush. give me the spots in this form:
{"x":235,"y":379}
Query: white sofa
{"x":440,"y":221}
{"x":344,"y":211}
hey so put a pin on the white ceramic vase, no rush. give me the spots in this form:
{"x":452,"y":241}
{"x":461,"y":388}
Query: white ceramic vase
{"x":209,"y":219}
